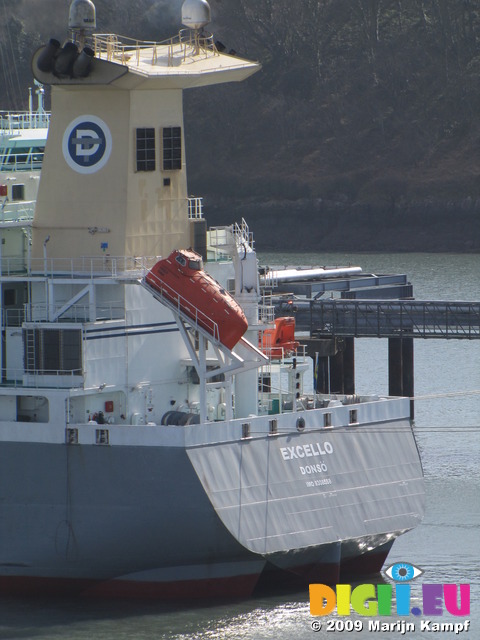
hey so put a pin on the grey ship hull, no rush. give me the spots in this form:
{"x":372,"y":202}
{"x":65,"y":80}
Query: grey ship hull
{"x":174,"y":517}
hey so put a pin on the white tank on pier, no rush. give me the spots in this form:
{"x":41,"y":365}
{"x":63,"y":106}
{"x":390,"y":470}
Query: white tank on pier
{"x":195,"y":13}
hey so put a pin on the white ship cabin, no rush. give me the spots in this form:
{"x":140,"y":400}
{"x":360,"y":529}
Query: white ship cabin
{"x":84,"y":340}
{"x":23,"y":136}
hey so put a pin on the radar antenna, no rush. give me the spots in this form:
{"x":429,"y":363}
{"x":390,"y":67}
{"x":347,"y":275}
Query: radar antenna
{"x":195,"y":15}
{"x":81,"y":19}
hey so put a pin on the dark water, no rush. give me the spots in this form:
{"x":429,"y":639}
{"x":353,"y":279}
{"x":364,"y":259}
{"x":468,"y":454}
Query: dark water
{"x":445,"y":546}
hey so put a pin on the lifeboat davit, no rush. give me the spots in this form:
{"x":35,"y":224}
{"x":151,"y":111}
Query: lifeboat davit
{"x":181,"y":280}
{"x":279,"y":341}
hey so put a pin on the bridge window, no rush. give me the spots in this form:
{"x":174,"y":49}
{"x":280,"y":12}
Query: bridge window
{"x":145,"y":149}
{"x":172,"y":148}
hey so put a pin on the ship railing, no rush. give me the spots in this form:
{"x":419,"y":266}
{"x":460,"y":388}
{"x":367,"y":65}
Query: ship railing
{"x":193,"y":38}
{"x":276,"y":402}
{"x":266,"y":313}
{"x":125,"y":50}
{"x":183,"y":307}
{"x":41,"y":378}
{"x":31,"y":161}
{"x":270,"y":278}
{"x":220,"y":244}
{"x":18,"y":212}
{"x":306,"y":402}
{"x":76,"y":313}
{"x":13,"y":121}
{"x":195,"y":208}
{"x":122,"y":49}
{"x":232,"y":236}
{"x":221,"y":237}
{"x":192,"y":43}
{"x":43,"y":312}
{"x":13,"y":266}
{"x":242,"y":234}
{"x":12,"y":317}
{"x":266,"y":308}
{"x":281,"y":355}
{"x":215,"y":255}
{"x":117,"y":267}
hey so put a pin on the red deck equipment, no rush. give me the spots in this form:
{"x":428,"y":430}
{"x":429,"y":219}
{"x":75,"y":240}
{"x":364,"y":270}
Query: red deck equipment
{"x":279,"y":341}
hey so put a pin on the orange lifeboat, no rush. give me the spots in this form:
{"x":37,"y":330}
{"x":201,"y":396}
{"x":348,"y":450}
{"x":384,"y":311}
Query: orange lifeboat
{"x":279,"y":341}
{"x":181,"y":280}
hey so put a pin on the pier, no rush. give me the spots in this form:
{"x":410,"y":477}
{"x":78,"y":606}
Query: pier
{"x":389,"y":319}
{"x":370,"y":307}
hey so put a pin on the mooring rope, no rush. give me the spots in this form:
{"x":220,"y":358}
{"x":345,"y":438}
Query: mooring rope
{"x":447,"y":394}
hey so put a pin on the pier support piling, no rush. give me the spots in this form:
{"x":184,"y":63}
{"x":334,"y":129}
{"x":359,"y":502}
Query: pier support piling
{"x":337,"y":372}
{"x":334,"y":360}
{"x":401,"y":368}
{"x":349,"y":366}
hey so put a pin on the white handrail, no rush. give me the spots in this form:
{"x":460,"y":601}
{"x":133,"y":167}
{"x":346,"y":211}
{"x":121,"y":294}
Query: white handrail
{"x":11,"y":121}
{"x":123,"y":49}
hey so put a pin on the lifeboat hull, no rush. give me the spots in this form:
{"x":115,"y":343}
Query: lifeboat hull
{"x":199,"y":296}
{"x":279,"y":341}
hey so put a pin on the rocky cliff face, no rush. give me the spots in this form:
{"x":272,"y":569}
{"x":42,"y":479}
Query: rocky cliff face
{"x":361,"y":127}
{"x":317,"y":225}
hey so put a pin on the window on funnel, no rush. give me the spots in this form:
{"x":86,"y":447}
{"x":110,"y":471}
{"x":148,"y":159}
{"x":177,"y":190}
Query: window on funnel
{"x":146,"y":149}
{"x":172,"y":148}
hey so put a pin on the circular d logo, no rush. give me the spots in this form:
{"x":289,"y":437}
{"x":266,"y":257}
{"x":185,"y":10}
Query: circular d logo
{"x":87,"y":144}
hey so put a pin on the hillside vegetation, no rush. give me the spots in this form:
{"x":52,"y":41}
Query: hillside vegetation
{"x":360,"y":131}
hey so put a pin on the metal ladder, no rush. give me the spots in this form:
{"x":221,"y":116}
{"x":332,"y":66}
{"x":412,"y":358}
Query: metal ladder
{"x":30,"y":350}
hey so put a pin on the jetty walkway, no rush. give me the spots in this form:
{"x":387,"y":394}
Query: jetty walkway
{"x":370,"y":306}
{"x":389,"y":319}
